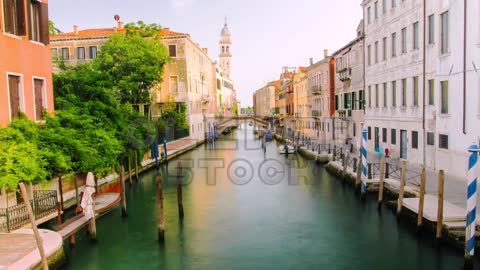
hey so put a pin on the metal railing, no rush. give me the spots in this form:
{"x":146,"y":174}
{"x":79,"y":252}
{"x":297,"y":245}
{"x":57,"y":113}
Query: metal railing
{"x":43,"y":204}
{"x":394,"y":171}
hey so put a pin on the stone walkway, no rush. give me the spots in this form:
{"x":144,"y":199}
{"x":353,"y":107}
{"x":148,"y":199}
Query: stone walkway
{"x":18,"y":250}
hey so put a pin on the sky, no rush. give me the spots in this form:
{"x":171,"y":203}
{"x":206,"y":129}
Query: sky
{"x":266,"y":34}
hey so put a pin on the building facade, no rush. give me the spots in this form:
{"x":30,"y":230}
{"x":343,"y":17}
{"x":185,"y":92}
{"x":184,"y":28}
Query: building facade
{"x":320,"y":98}
{"x":349,"y":90}
{"x":25,"y":67}
{"x":264,"y":100}
{"x":190,"y":77}
{"x":393,"y":76}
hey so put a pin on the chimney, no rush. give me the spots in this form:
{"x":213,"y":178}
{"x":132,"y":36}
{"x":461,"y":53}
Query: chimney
{"x":311,"y":61}
{"x":325,"y":53}
{"x":120,"y":25}
{"x":75,"y":29}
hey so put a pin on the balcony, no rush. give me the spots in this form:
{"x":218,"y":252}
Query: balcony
{"x":316,"y":90}
{"x":205,"y":99}
{"x":316,"y":114}
{"x":345,"y":75}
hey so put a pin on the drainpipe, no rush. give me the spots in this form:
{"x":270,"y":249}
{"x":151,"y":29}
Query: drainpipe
{"x":424,"y":82}
{"x":464,"y":66}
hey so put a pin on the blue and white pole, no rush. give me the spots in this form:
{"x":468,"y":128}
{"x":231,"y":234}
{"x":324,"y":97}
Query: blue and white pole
{"x":364,"y":161}
{"x":471,"y":201}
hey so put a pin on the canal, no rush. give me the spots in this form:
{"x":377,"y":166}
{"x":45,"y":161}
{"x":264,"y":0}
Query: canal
{"x":246,"y":209}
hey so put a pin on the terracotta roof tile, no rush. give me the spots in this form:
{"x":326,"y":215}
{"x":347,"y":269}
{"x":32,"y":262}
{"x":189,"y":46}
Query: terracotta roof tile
{"x":105,"y":32}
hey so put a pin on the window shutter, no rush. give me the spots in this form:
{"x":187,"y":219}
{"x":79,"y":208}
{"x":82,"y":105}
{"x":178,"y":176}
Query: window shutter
{"x":44,"y":28}
{"x":14,"y":85}
{"x":7,"y":6}
{"x":38,"y":84}
{"x":22,"y":31}
{"x":29,"y":16}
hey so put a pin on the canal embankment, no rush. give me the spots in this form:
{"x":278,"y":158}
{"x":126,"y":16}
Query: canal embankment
{"x":453,"y":216}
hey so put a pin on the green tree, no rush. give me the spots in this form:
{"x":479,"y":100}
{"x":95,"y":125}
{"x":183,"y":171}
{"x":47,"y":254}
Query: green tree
{"x":144,"y":30}
{"x":52,"y":29}
{"x":134,"y":63}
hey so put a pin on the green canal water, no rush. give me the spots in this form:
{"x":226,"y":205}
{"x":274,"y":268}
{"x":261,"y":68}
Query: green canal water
{"x":256,"y":210}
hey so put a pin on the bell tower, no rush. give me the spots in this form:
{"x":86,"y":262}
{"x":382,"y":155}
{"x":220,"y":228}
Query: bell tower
{"x":225,"y":51}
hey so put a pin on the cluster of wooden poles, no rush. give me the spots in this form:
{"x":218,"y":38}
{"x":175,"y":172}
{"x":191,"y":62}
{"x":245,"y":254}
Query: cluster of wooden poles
{"x":159,"y":196}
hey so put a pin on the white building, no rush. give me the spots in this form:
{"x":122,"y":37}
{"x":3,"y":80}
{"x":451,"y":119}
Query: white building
{"x":435,"y":130}
{"x":393,"y":76}
{"x":349,"y":90}
{"x":225,"y":51}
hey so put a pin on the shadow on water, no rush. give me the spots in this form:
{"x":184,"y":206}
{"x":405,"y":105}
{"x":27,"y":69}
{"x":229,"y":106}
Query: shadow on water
{"x":292,"y":214}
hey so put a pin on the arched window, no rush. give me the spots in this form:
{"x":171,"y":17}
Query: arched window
{"x":223,"y":49}
{"x":228,"y":49}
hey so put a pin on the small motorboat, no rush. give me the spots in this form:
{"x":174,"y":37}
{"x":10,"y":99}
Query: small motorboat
{"x":286,"y":149}
{"x":251,"y":123}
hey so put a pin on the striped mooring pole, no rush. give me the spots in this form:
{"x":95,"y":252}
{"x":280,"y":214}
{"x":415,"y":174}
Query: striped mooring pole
{"x":471,"y":205}
{"x":364,"y":161}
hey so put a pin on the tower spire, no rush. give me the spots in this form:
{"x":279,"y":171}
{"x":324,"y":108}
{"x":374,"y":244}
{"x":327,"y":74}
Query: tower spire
{"x":225,"y":20}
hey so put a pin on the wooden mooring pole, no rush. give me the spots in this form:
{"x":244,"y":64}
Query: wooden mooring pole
{"x":345,"y":164}
{"x":129,"y":166}
{"x":402,"y":188}
{"x":136,"y":165}
{"x":123,"y":201}
{"x":179,"y":190}
{"x":160,"y":221}
{"x":38,"y":239}
{"x":421,"y":200}
{"x":441,"y":177}
{"x":381,"y":184}
{"x":358,"y":181}
{"x":93,"y":223}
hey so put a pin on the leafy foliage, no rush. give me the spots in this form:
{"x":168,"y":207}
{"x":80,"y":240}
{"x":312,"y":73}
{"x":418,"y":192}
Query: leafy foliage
{"x":134,"y":63}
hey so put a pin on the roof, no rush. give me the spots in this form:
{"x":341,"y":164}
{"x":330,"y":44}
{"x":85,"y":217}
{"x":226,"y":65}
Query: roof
{"x":302,"y":69}
{"x":105,"y":32}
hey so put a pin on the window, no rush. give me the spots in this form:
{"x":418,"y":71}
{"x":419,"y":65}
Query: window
{"x":369,"y":96}
{"x":54,"y":52}
{"x":393,"y":137}
{"x":38,"y":29}
{"x":384,"y":49}
{"x":362,"y":100}
{"x":394,"y":93}
{"x":146,"y":109}
{"x":376,"y":52}
{"x":173,"y":83}
{"x":415,"y":91}
{"x":354,"y":129}
{"x":394,"y":44}
{"x":384,"y":6}
{"x":394,"y":3}
{"x":384,"y":135}
{"x":443,"y":141}
{"x":65,"y":54}
{"x":376,"y":96}
{"x":369,"y":50}
{"x":404,"y":40}
{"x":81,"y":53}
{"x":430,"y":138}
{"x":369,"y":18}
{"x":39,"y":98}
{"x":92,"y":52}
{"x":415,"y":36}
{"x":444,"y":97}
{"x":376,"y":10}
{"x":444,"y":33}
{"x":14,"y":88}
{"x":414,"y":139}
{"x":369,"y":133}
{"x":14,"y":17}
{"x":172,"y":50}
{"x":431,"y":92}
{"x":384,"y":95}
{"x":431,"y":29}
{"x":404,"y":92}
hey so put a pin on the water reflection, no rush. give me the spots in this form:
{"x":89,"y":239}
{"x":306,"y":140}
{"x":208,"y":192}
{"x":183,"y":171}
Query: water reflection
{"x":304,"y":219}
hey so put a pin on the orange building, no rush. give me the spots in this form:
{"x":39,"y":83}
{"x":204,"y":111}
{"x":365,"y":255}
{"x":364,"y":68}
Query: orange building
{"x":25,"y":66}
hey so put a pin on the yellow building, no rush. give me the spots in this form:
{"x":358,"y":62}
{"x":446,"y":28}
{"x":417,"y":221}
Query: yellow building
{"x":189,"y":76}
